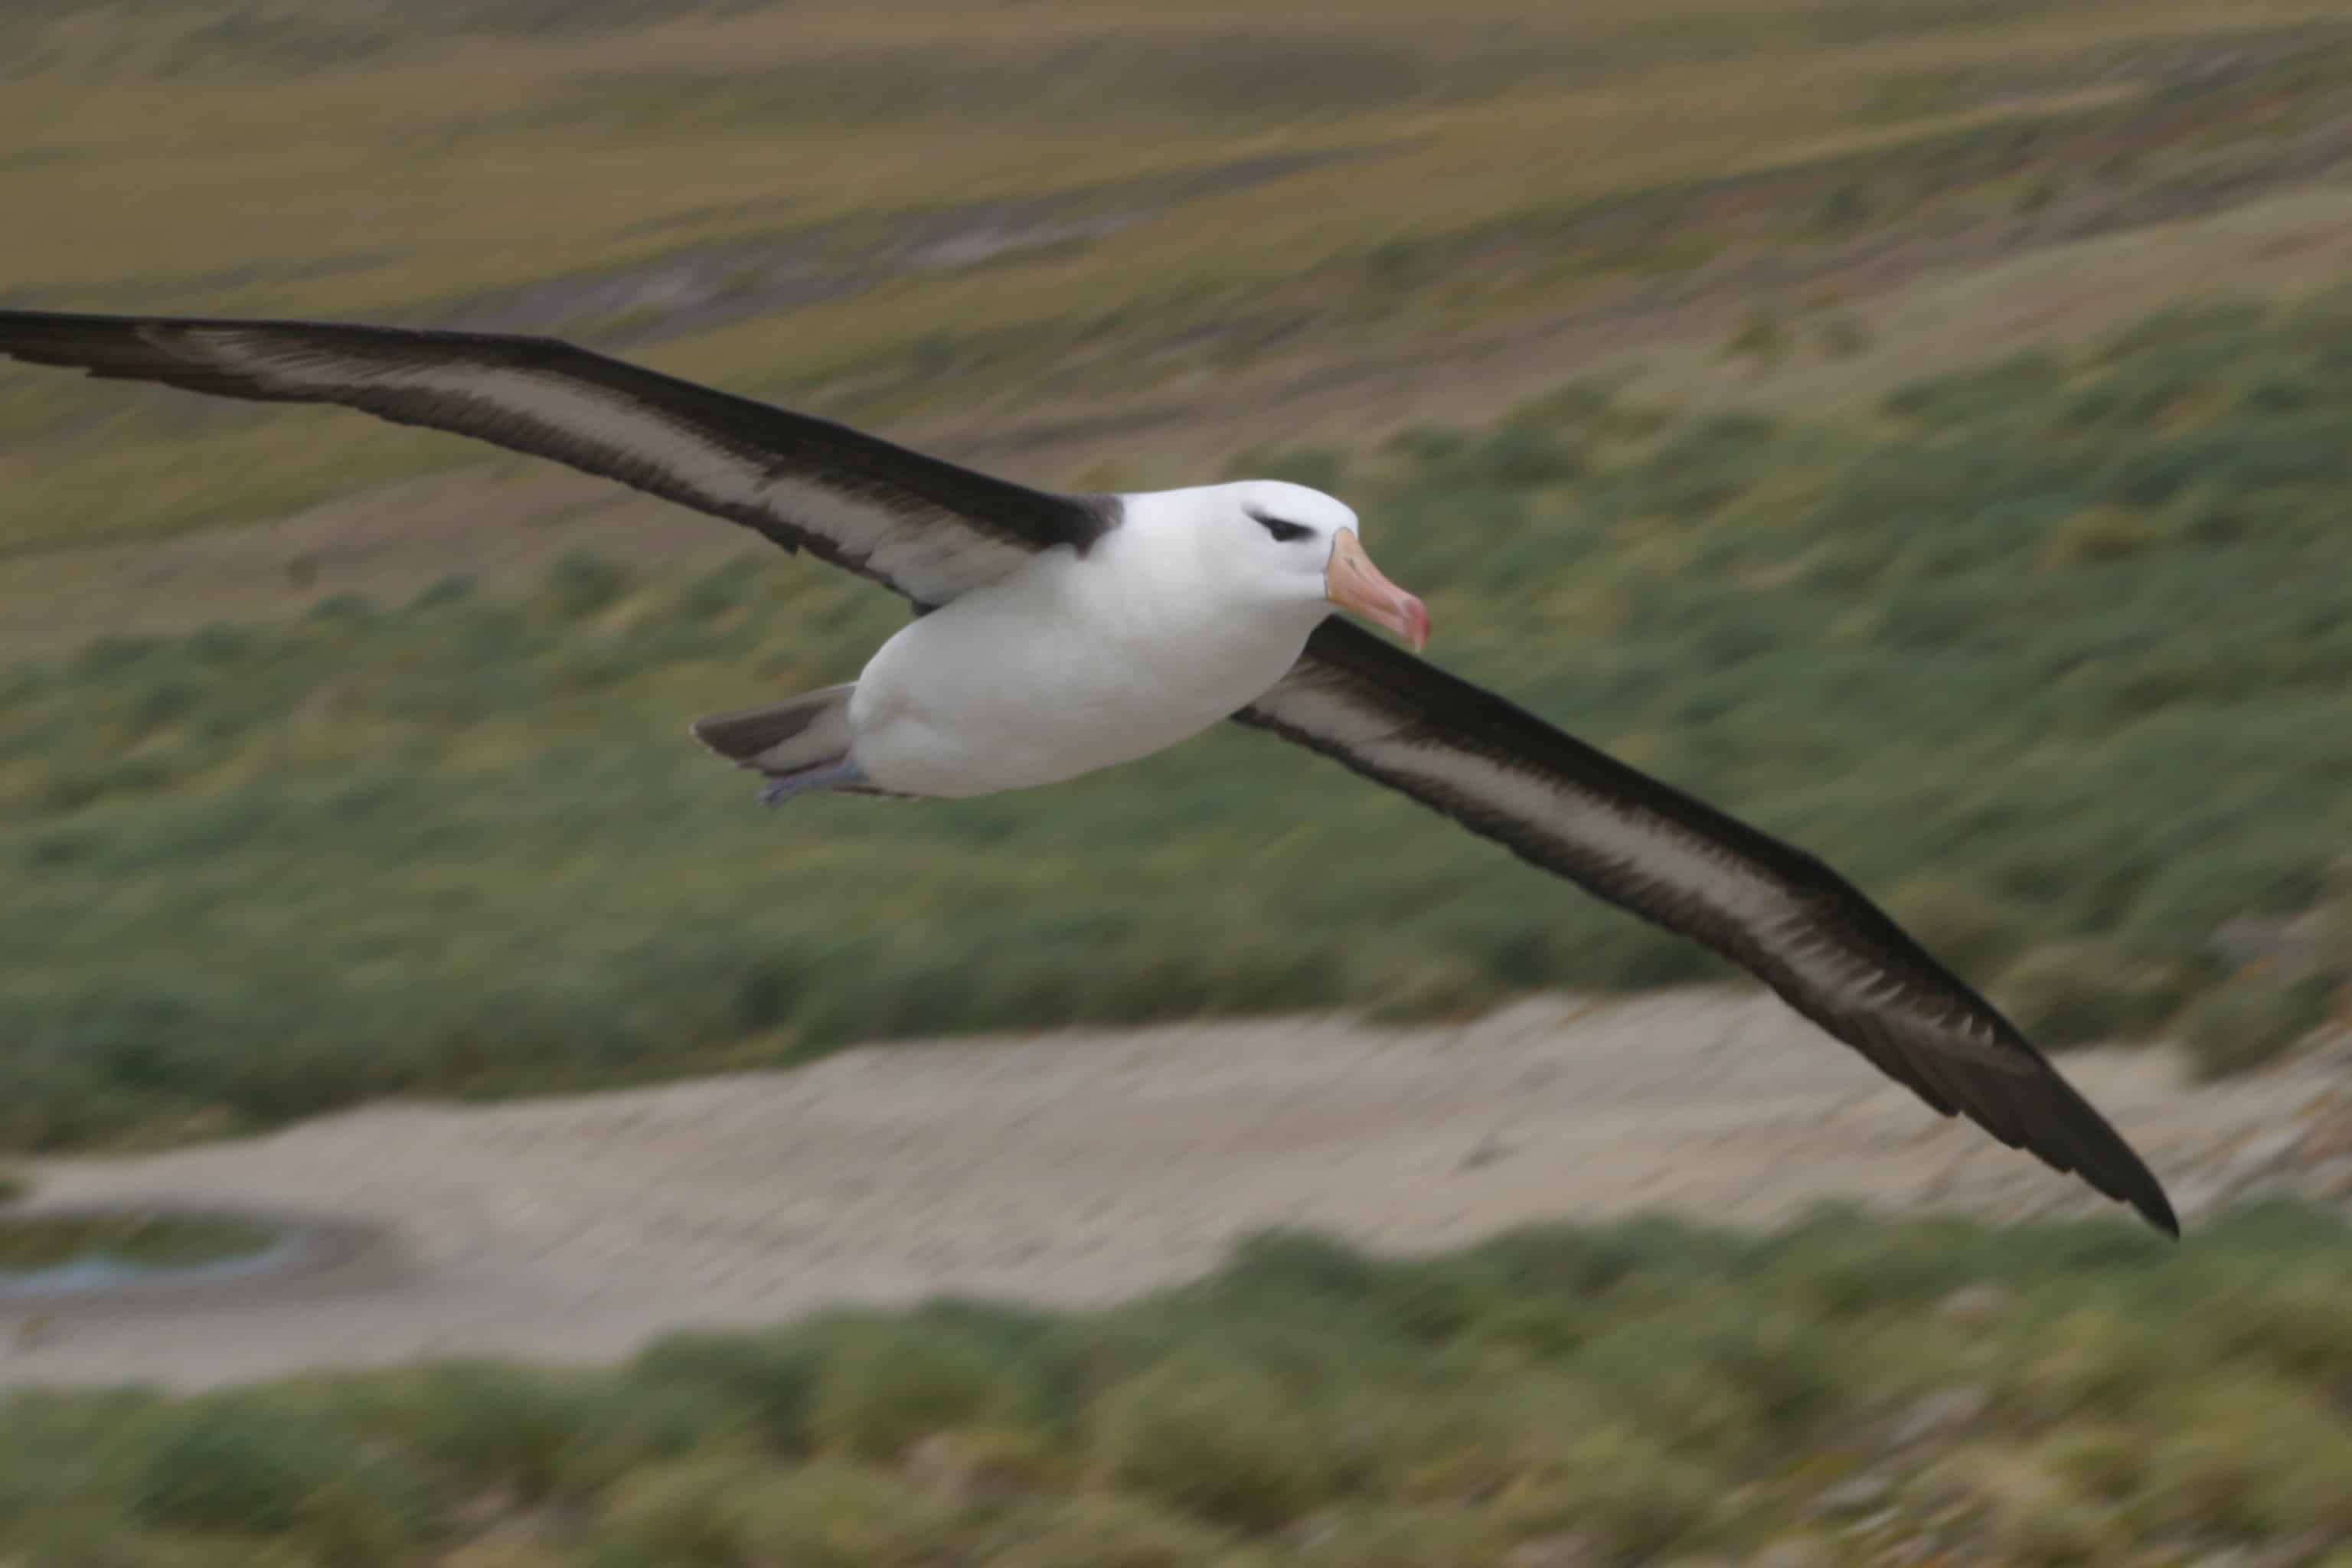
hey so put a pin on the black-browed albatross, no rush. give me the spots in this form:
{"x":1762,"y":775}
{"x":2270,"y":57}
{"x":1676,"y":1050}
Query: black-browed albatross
{"x":1057,"y":634}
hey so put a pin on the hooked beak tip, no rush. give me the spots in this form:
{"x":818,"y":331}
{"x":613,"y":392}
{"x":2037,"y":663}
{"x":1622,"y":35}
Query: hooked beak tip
{"x":1353,"y":582}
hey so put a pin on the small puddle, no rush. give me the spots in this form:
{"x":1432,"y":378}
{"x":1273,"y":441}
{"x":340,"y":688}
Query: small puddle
{"x":51,"y":1256}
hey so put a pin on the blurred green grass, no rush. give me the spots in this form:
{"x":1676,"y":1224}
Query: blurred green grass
{"x":1646,"y":1391}
{"x":439,"y":165}
{"x":2053,"y":656}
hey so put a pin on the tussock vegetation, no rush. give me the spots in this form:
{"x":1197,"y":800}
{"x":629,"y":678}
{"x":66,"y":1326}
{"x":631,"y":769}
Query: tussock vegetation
{"x":925,"y":211}
{"x":1645,"y":1392}
{"x":2054,"y":656}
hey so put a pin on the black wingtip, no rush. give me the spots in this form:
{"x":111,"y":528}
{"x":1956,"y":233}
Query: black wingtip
{"x":2120,"y":1174}
{"x":2156,"y":1210}
{"x":2067,"y":1132}
{"x":2114,"y":1167}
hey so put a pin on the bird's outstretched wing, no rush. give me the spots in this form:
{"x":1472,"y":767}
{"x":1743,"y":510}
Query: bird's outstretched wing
{"x":927,"y":527}
{"x":1766,"y":905}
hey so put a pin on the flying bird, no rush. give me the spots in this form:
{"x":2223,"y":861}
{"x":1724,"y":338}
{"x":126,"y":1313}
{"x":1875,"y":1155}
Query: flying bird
{"x":1055,"y":634}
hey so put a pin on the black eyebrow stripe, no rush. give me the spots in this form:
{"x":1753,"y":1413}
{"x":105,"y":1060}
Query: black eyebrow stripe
{"x":1273,"y":524}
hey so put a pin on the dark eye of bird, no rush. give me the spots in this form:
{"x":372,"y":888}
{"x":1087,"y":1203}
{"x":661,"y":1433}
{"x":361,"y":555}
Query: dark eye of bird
{"x":1284,"y":533}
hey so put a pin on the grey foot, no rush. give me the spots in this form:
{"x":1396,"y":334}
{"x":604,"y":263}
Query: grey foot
{"x":840,"y":773}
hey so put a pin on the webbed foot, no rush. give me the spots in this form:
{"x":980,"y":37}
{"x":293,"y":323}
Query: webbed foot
{"x":836,"y":773}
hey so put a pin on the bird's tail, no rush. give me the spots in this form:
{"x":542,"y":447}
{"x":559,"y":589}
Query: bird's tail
{"x":809,"y":728}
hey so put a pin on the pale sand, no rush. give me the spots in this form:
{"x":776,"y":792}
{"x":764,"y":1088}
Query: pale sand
{"x":1080,"y":1168}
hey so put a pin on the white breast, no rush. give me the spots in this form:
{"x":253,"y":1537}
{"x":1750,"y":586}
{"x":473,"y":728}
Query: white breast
{"x":1068,"y":666}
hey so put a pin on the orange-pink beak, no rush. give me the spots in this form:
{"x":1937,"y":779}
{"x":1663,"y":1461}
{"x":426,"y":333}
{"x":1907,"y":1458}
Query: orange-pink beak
{"x":1353,"y":582}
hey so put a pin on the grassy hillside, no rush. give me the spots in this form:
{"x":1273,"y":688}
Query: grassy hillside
{"x":1852,"y":1391}
{"x":2054,"y":656}
{"x":965,"y":212}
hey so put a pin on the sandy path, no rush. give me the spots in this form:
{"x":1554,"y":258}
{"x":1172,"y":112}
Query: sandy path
{"x":1075,"y":1168}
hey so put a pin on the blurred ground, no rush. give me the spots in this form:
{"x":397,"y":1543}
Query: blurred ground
{"x":1073,"y":237}
{"x":1107,"y":244}
{"x":1915,"y":313}
{"x":1078,"y":1168}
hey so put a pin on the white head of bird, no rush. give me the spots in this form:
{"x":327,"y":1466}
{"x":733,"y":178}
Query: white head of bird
{"x":1268,"y":541}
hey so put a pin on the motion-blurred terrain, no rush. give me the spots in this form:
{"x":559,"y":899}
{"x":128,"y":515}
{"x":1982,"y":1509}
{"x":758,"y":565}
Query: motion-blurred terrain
{"x":1939,"y":479}
{"x":1921,"y":427}
{"x":1939,"y":485}
{"x":992,"y":223}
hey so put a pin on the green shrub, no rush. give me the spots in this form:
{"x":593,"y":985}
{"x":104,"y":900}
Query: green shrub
{"x":1712,"y":1374}
{"x":1208,"y":1437}
{"x":344,"y":608}
{"x":2254,"y":1021}
{"x":581,"y":584}
{"x":2294,"y":1322}
{"x":832,"y":1514}
{"x":1387,"y":1537}
{"x":495,"y":1424}
{"x":2096,"y":1361}
{"x":241,"y":1464}
{"x":697,"y":1511}
{"x":502,"y":1554}
{"x":1637,"y":1492}
{"x":2101,"y":536}
{"x":1312,"y":1404}
{"x":630,"y":1425}
{"x":2251,"y":1457}
{"x":443,"y":592}
{"x":884,"y":1385}
{"x":1966,"y":926}
{"x":2028,"y":1512}
{"x":1524,"y":453}
{"x":1762,"y":338}
{"x":2104,"y":1462}
{"x":1102,"y":1531}
{"x":773,"y":1377}
{"x":2068,"y":993}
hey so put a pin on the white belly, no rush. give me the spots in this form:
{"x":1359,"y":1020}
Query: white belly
{"x":1018,"y":686}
